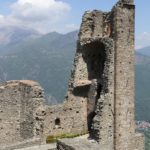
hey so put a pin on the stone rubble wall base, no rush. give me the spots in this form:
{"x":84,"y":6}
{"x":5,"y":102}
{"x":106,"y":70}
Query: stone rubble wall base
{"x":40,"y":147}
{"x":139,"y":141}
{"x":23,"y":144}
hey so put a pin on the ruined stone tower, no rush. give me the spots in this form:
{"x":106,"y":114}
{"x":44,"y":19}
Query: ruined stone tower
{"x":104,"y":76}
{"x":100,"y":96}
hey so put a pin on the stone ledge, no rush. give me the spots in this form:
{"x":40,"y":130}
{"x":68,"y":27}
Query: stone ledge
{"x":79,"y":143}
{"x":40,"y":147}
{"x":25,"y":143}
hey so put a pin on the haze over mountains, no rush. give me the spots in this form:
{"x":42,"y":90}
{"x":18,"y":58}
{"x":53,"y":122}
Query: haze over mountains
{"x":145,"y":51}
{"x":26,"y":54}
{"x":46,"y":59}
{"x":13,"y":35}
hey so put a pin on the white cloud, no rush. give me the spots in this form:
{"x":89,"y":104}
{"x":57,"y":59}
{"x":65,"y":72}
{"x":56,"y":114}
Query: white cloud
{"x":38,"y":10}
{"x":38,"y":14}
{"x":143,"y":40}
{"x":2,"y":19}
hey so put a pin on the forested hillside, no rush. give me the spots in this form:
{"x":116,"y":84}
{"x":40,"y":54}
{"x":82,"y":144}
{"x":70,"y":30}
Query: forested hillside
{"x":48,"y":60}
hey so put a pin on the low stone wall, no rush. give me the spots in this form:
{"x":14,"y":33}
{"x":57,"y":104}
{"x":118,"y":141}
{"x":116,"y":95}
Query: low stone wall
{"x":23,"y":144}
{"x":24,"y":118}
{"x":21,"y":111}
{"x":139,"y":141}
{"x":79,"y":143}
{"x":68,"y":118}
{"x":40,"y":147}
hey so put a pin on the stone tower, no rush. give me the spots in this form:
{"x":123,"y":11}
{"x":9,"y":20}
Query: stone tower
{"x":100,"y":96}
{"x":103,"y":74}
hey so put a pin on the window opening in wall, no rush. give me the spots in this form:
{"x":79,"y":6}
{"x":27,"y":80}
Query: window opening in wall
{"x":94,"y":56}
{"x":57,"y":122}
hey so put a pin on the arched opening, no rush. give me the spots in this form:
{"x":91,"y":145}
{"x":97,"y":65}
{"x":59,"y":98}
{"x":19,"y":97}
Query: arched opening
{"x":94,"y":56}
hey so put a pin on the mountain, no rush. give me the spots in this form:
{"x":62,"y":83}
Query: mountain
{"x":145,"y":51}
{"x":11,"y":35}
{"x":48,"y":60}
{"x":141,"y":59}
{"x":142,"y":82}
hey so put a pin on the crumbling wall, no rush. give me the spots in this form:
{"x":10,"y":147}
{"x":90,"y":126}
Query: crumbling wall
{"x":103,"y":122}
{"x":21,"y":111}
{"x":139,"y":141}
{"x":108,"y":75}
{"x":67,"y":119}
{"x":25,"y":119}
{"x":100,"y":96}
{"x":97,"y":51}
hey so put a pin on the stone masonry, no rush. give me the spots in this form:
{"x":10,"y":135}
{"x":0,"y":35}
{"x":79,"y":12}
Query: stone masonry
{"x":25,"y":120}
{"x":100,"y":96}
{"x":21,"y":112}
{"x":105,"y":62}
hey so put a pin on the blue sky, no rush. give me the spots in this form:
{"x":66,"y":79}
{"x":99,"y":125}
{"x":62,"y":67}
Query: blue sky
{"x":65,"y":15}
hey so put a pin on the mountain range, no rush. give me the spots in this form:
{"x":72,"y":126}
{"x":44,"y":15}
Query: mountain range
{"x":48,"y":59}
{"x":145,"y":51}
{"x":11,"y":36}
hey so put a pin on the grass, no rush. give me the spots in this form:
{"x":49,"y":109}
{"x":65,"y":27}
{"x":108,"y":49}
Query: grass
{"x":53,"y":139}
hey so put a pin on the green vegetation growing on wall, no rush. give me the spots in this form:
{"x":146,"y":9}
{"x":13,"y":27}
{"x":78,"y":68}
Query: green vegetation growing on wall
{"x":52,"y":139}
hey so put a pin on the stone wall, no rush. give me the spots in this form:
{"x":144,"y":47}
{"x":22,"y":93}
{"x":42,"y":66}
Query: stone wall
{"x":105,"y":60}
{"x":21,"y":111}
{"x":68,"y":118}
{"x":139,"y":141}
{"x":25,"y":120}
{"x":78,"y":143}
{"x":123,"y":27}
{"x":23,"y":115}
{"x":100,"y":96}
